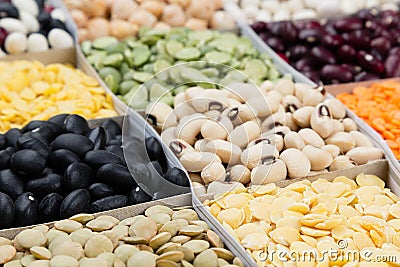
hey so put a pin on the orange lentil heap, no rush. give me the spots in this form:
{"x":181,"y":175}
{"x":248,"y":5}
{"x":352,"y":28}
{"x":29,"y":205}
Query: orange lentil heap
{"x":379,"y":106}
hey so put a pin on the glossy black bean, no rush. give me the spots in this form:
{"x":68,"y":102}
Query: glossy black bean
{"x":26,"y":209}
{"x":177,"y":176}
{"x":49,"y":207}
{"x":11,"y":183}
{"x":56,"y":24}
{"x":6,"y":211}
{"x":8,"y":10}
{"x":76,"y":202}
{"x":323,"y":55}
{"x":98,"y":158}
{"x":28,"y":142}
{"x":3,"y":141}
{"x":78,"y":175}
{"x":40,"y":3}
{"x":138,"y":195}
{"x":157,"y":167}
{"x":44,"y":133}
{"x":114,"y":142}
{"x":44,"y":18}
{"x":117,"y":176}
{"x":12,"y":136}
{"x":117,"y":150}
{"x":332,"y":73}
{"x":76,"y":143}
{"x":98,"y":137}
{"x":348,"y":24}
{"x":59,"y":119}
{"x":108,"y":203}
{"x":76,"y":124}
{"x":5,"y":157}
{"x":369,"y":62}
{"x":155,"y":150}
{"x":32,"y":125}
{"x":61,"y":159}
{"x":28,"y":161}
{"x":112,"y":128}
{"x":100,"y":190}
{"x":40,"y":187}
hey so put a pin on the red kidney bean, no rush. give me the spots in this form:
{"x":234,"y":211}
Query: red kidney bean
{"x":3,"y":36}
{"x":311,"y":36}
{"x":366,"y":76}
{"x":297,"y":51}
{"x":275,"y":43}
{"x":312,"y":75}
{"x":370,"y":62}
{"x":359,"y":39}
{"x":395,"y":51}
{"x":348,"y":24}
{"x":332,"y":41}
{"x":307,"y":24}
{"x":392,"y":65}
{"x":346,"y":53}
{"x":288,"y":32}
{"x":332,"y":73}
{"x":381,"y":44}
{"x":323,"y":55}
{"x":390,"y":18}
{"x":367,"y":14}
{"x":259,"y":26}
{"x":353,"y":68}
{"x":305,"y":64}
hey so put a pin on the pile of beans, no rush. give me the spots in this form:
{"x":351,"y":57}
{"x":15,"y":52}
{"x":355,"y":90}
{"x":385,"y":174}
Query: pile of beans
{"x":126,"y":65}
{"x":58,"y":168}
{"x":31,"y":26}
{"x":123,"y":18}
{"x":33,"y":91}
{"x":378,"y":105}
{"x":351,"y":218}
{"x":279,"y":10}
{"x":363,"y":46}
{"x":247,"y":136}
{"x":161,"y":237}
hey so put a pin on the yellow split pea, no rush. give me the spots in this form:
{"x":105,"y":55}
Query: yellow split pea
{"x":340,"y":223}
{"x":30,"y":90}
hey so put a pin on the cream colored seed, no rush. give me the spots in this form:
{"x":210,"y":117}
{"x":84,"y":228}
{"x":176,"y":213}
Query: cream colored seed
{"x":41,"y":253}
{"x":67,"y":226}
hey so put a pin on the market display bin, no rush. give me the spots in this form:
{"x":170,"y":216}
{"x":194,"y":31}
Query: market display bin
{"x":379,"y":168}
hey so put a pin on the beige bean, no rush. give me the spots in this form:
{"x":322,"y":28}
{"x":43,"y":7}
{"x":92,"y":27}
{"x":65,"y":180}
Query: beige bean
{"x":196,"y":161}
{"x":238,"y":173}
{"x":321,"y":121}
{"x":228,"y":153}
{"x":244,"y":134}
{"x":302,"y":116}
{"x":293,"y":140}
{"x":253,"y":156}
{"x":271,"y":171}
{"x":297,"y":163}
{"x":213,"y":172}
{"x":319,"y":159}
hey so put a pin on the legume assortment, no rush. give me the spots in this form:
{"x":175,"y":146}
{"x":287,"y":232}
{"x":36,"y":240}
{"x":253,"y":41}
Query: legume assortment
{"x":378,"y":105}
{"x":55,"y":169}
{"x":30,"y":90}
{"x":123,"y":18}
{"x":346,"y":216}
{"x":161,"y":237}
{"x":126,"y":65}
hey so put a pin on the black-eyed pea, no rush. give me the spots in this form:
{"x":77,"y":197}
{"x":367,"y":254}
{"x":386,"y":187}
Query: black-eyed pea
{"x":199,"y":189}
{"x":321,"y":121}
{"x":332,"y":149}
{"x":244,"y":133}
{"x":228,"y":153}
{"x":255,"y":155}
{"x":288,"y":120}
{"x":182,"y":107}
{"x":204,"y":103}
{"x":336,"y":107}
{"x":271,"y":171}
{"x":212,"y":129}
{"x":349,"y":125}
{"x":291,"y":103}
{"x":297,"y":163}
{"x":280,"y":130}
{"x":168,"y":135}
{"x":341,"y":163}
{"x":361,"y":139}
{"x":262,"y":106}
{"x":179,"y":147}
{"x":189,"y":127}
{"x":293,"y":140}
{"x":160,"y":115}
{"x":302,"y":116}
{"x":273,"y":139}
{"x":225,"y":122}
{"x":343,"y":140}
{"x":361,"y":155}
{"x":319,"y":159}
{"x":238,"y":173}
{"x":314,"y":96}
{"x":284,"y":87}
{"x":213,"y":172}
{"x":196,"y":161}
{"x":337,"y":126}
{"x":219,"y":187}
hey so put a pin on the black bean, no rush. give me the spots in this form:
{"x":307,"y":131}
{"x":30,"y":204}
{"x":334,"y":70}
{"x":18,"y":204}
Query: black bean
{"x":11,"y":183}
{"x":98,"y":158}
{"x":58,"y":119}
{"x":32,"y":125}
{"x":26,"y":209}
{"x":7,"y":10}
{"x":114,"y":142}
{"x":12,"y":136}
{"x":112,"y":128}
{"x":28,"y":161}
{"x":3,"y":141}
{"x":78,"y":175}
{"x":49,"y":207}
{"x":108,"y":203}
{"x":177,"y":176}
{"x":76,"y":143}
{"x":40,"y":187}
{"x":100,"y":190}
{"x":137,"y":195}
{"x":117,"y":176}
{"x":116,"y":150}
{"x":6,"y":211}
{"x":61,"y":159}
{"x":28,"y":142}
{"x":98,"y":137}
{"x":76,"y":202}
{"x":56,"y":23}
{"x":44,"y":133}
{"x":157,"y":167}
{"x":44,"y":19}
{"x":155,"y":151}
{"x":76,"y":124}
{"x":5,"y":157}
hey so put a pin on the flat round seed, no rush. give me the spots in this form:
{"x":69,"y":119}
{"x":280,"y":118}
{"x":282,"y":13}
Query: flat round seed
{"x":13,"y":263}
{"x":27,"y":260}
{"x":188,"y":255}
{"x":314,"y":232}
{"x":81,"y":236}
{"x":201,"y":224}
{"x":5,"y":241}
{"x":180,"y":239}
{"x":100,"y":225}
{"x":52,"y":234}
{"x":191,"y":230}
{"x":223,"y":253}
{"x":142,"y":259}
{"x":108,"y":257}
{"x":197,"y":246}
{"x":144,"y":227}
{"x":175,"y":256}
{"x":7,"y":253}
{"x":82,"y":218}
{"x":112,"y":219}
{"x":69,"y":248}
{"x":207,"y":258}
{"x":67,"y":226}
{"x":41,"y":253}
{"x":124,"y":252}
{"x":214,"y":239}
{"x":159,"y":240}
{"x":121,"y":231}
{"x":135,"y":240}
{"x":231,"y":216}
{"x":93,"y":262}
{"x":161,"y":249}
{"x":171,"y":227}
{"x":255,"y":241}
{"x":370,"y":180}
{"x":158,"y":209}
{"x":186,"y":264}
{"x":42,"y":228}
{"x":30,"y":238}
{"x":57,"y":241}
{"x":98,"y":244}
{"x":63,"y":261}
{"x":40,"y":263}
{"x":186,"y":214}
{"x":167,"y":263}
{"x":160,"y":218}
